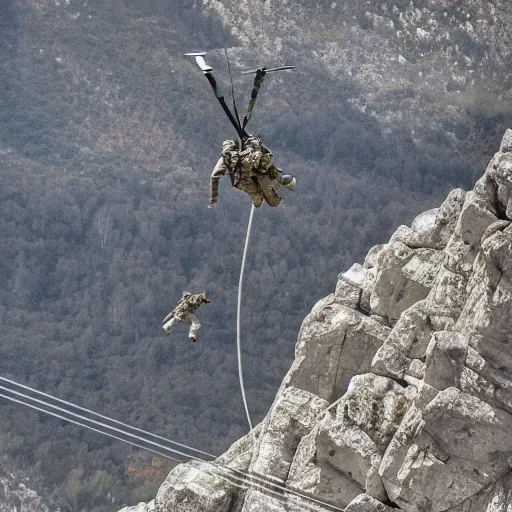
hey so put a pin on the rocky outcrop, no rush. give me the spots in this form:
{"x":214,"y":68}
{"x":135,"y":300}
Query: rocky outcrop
{"x":16,"y":495}
{"x":400,"y":395}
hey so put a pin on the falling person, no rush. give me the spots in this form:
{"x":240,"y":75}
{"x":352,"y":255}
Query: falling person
{"x":183,"y":313}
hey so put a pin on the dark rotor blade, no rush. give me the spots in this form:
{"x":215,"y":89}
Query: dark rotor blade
{"x":239,"y":130}
{"x":280,"y":68}
{"x":258,"y":81}
{"x":237,"y":117}
{"x":207,"y":71}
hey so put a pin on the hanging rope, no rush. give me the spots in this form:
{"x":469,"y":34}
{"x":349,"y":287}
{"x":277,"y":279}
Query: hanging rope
{"x":238,"y":315}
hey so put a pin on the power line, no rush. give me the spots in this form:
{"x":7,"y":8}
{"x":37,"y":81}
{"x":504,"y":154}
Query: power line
{"x":84,"y":421}
{"x":87,"y":426}
{"x":273,"y":486}
{"x":70,"y":404}
{"x":283,"y":494}
{"x":236,"y":477}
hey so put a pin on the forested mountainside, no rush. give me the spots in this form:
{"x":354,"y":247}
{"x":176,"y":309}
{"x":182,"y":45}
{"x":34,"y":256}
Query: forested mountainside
{"x":107,"y":139}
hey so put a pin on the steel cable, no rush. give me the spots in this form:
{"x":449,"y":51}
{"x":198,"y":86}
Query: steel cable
{"x":17,"y":400}
{"x":238,"y":317}
{"x":83,"y":409}
{"x":260,"y":482}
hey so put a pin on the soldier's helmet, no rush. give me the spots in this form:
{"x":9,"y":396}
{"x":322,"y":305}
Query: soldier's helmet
{"x":228,"y":145}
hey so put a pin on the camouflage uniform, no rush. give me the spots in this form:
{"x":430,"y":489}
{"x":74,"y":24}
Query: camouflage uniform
{"x":250,"y":170}
{"x":182,"y":313}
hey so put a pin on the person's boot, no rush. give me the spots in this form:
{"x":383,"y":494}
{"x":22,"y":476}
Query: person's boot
{"x":288,"y":181}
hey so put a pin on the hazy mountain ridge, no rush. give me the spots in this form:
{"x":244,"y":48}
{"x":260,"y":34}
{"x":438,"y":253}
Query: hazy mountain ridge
{"x":398,"y":62}
{"x":425,"y":48}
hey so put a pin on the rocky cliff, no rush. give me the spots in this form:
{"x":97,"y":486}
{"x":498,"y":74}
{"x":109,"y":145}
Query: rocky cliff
{"x":17,"y":496}
{"x":400,"y":394}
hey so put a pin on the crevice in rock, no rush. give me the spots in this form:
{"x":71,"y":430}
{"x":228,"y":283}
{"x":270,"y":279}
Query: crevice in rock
{"x":364,"y":309}
{"x":335,"y":383}
{"x":237,"y":501}
{"x":359,"y":299}
{"x":499,"y":477}
{"x":501,"y":215}
{"x":429,"y":323}
{"x":361,"y":310}
{"x":293,"y":444}
{"x":388,"y":321}
{"x":499,"y":209}
{"x":401,"y":382}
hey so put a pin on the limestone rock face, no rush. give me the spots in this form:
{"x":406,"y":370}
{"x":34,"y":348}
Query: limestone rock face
{"x":446,"y":453}
{"x":193,"y":488}
{"x":335,"y":343}
{"x":17,"y":496}
{"x":400,"y":395}
{"x":141,"y":507}
{"x":350,"y":441}
{"x":293,"y":416}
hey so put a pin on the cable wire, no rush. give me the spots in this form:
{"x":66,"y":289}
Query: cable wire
{"x":261,"y":482}
{"x":238,"y":316}
{"x":266,"y":482}
{"x":226,"y":473}
{"x":70,"y":404}
{"x":94,"y":422}
{"x":17,"y":400}
{"x":283,"y":496}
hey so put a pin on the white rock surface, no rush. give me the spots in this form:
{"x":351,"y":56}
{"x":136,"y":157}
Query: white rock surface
{"x":293,"y":415}
{"x":365,"y":503}
{"x":193,"y":488}
{"x":445,"y":358}
{"x":17,"y":496}
{"x":141,"y":507}
{"x":335,"y":343}
{"x":351,"y":442}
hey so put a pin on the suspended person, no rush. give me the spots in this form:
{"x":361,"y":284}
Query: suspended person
{"x":183,"y":313}
{"x":250,"y":170}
